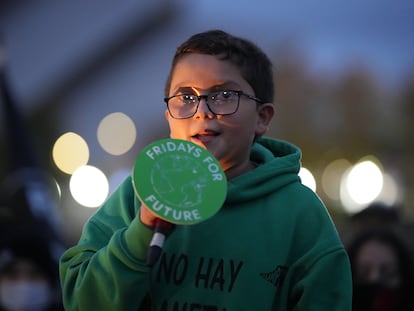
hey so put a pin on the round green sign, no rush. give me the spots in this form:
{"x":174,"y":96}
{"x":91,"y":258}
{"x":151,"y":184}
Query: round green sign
{"x":179,"y":181}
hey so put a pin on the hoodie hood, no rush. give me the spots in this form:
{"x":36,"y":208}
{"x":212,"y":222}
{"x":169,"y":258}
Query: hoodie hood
{"x":278,"y":165}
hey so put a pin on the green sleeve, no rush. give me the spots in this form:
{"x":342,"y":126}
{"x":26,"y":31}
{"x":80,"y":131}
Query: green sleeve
{"x":326,"y":285}
{"x":106,"y":270}
{"x":320,"y":273}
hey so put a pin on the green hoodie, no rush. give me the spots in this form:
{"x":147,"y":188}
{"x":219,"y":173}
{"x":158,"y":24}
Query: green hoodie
{"x":272,"y":246}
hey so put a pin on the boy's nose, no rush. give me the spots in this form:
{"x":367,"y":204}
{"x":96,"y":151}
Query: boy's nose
{"x":203,"y":109}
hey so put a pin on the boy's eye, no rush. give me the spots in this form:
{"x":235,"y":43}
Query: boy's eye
{"x":188,"y":98}
{"x":224,"y":96}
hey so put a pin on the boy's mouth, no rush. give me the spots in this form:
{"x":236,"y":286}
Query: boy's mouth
{"x":205,"y":136}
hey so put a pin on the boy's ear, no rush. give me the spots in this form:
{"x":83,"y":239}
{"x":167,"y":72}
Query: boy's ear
{"x":167,"y":115}
{"x":265,"y":112}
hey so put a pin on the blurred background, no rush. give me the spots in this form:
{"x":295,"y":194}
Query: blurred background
{"x":83,"y":81}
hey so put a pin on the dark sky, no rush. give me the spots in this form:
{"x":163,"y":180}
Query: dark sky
{"x":46,"y":38}
{"x":333,"y":34}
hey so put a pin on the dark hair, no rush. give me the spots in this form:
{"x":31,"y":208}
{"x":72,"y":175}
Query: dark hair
{"x":390,"y":238}
{"x":255,"y":67}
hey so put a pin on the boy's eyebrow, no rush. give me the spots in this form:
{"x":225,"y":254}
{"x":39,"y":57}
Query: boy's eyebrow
{"x":184,"y":90}
{"x":217,"y":87}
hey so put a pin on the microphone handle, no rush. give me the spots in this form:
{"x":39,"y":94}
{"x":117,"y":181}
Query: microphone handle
{"x":161,"y":230}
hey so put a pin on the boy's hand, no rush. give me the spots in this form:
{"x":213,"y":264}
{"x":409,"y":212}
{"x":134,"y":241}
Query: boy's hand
{"x":147,"y":217}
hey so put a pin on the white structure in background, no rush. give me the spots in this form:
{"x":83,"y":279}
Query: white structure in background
{"x":89,"y":186}
{"x":363,"y":183}
{"x":307,"y":178}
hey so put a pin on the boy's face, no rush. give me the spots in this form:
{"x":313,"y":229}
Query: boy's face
{"x":227,"y":137}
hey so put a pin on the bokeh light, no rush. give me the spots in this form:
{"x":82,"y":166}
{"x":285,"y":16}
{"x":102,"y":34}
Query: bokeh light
{"x":390,"y":194}
{"x":89,"y":186}
{"x":364,"y":182}
{"x":361,"y":185}
{"x":116,"y":133}
{"x":331,"y":177}
{"x":307,"y":178}
{"x":70,"y":151}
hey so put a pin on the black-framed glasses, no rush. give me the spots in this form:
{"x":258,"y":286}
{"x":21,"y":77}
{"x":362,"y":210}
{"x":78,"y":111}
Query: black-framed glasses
{"x":183,"y":106}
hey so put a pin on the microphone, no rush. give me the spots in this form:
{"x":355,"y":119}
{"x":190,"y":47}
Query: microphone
{"x":161,"y":229}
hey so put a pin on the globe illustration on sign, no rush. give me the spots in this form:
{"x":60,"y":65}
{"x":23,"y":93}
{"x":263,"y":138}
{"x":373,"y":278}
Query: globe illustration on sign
{"x":179,"y":180}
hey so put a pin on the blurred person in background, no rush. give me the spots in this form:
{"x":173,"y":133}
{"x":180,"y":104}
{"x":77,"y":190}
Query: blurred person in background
{"x":28,"y":270}
{"x":382,"y":274}
{"x":375,"y":215}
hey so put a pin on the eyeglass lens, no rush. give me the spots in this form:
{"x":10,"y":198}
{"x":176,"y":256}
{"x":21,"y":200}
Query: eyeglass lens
{"x":220,"y":103}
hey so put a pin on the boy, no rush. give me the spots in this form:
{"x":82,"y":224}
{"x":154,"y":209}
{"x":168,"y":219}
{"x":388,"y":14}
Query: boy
{"x":272,"y":245}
